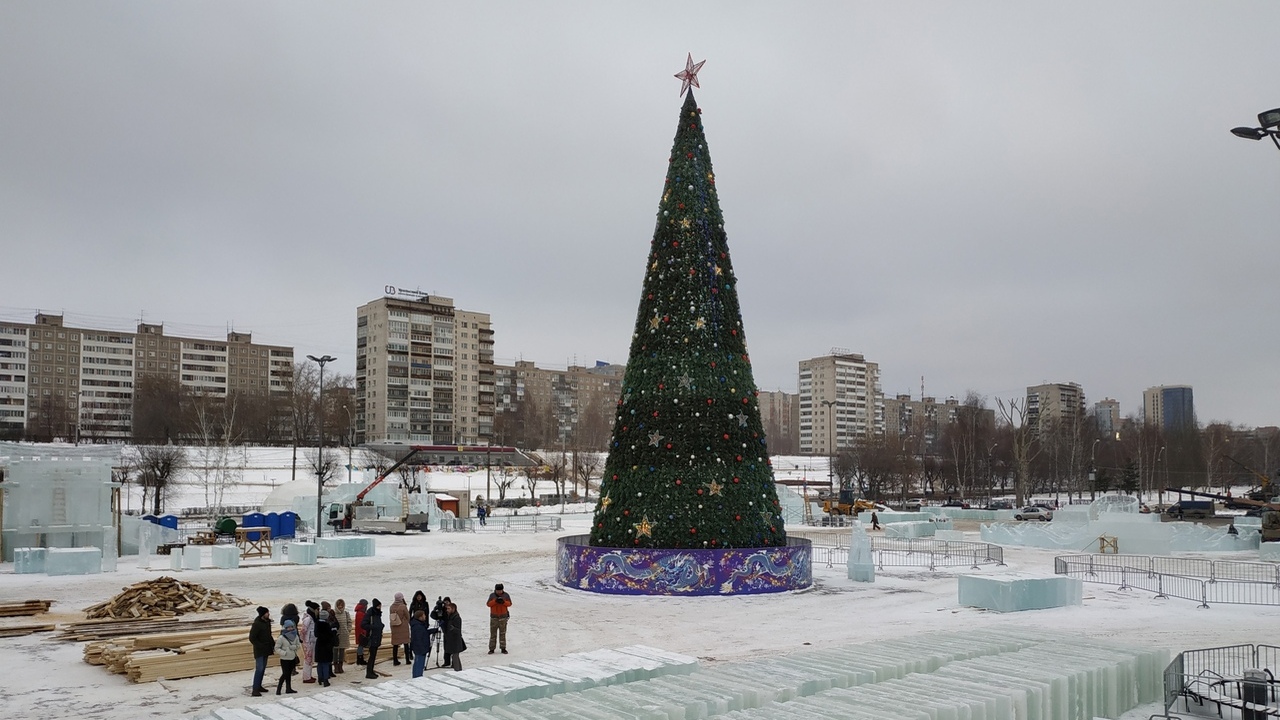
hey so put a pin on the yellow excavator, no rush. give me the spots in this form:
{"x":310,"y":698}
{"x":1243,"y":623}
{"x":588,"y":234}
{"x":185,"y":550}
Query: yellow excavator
{"x":847,"y":504}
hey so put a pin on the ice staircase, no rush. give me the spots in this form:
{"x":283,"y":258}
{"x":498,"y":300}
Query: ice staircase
{"x":992,"y":675}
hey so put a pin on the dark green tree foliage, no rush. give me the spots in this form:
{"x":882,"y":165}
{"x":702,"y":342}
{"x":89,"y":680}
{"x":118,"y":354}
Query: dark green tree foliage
{"x":688,"y":465}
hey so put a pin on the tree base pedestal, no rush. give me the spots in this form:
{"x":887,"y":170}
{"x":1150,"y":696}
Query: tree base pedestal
{"x":660,"y":571}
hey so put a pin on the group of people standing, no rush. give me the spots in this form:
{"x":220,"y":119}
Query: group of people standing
{"x":315,"y":642}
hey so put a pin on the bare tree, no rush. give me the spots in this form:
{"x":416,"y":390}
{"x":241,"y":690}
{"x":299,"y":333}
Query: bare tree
{"x":585,"y":466}
{"x":218,"y":458}
{"x":159,"y":409}
{"x":157,"y":466}
{"x":323,"y":466}
{"x":1024,"y":447}
{"x":503,"y":481}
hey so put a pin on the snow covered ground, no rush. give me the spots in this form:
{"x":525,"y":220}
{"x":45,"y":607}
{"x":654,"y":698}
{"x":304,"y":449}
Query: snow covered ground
{"x":50,"y":679}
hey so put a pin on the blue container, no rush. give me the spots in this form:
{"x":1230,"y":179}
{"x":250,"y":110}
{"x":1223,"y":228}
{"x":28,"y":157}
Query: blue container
{"x":288,"y":524}
{"x":169,"y":521}
{"x":254,"y":520}
{"x":273,"y":522}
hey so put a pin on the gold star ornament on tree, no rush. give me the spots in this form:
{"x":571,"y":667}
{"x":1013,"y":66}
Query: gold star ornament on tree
{"x":644,"y":528}
{"x":689,"y":76}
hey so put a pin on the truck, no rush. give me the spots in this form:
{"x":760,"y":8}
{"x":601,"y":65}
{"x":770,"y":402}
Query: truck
{"x":1192,"y":508}
{"x":847,"y":504}
{"x":363,"y":516}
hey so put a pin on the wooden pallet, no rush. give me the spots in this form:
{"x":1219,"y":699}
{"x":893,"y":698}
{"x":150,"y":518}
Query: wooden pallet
{"x":29,"y":607}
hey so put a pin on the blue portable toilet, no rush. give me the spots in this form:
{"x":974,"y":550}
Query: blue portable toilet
{"x":273,"y":522}
{"x":254,"y":520}
{"x":169,"y":521}
{"x":288,"y":524}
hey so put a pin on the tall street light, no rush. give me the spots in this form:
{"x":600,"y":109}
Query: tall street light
{"x":831,"y":451}
{"x":1269,"y":120}
{"x":321,"y":361}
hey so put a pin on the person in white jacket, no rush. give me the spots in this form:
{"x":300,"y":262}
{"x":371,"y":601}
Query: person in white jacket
{"x":307,"y":634}
{"x":287,"y":646}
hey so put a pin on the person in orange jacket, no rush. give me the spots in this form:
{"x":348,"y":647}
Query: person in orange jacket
{"x":499,"y":602}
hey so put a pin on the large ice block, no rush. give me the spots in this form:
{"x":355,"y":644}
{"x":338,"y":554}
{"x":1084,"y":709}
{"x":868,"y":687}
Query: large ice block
{"x":190,"y":557}
{"x":1269,"y":552}
{"x":226,"y":557}
{"x":302,"y":553}
{"x":279,"y":552}
{"x":1012,"y":592}
{"x":949,"y":535}
{"x":862,"y":566}
{"x":343,"y":547}
{"x":913,"y":529}
{"x":28,"y":560}
{"x":175,"y":560}
{"x":109,"y":554}
{"x":73,"y":561}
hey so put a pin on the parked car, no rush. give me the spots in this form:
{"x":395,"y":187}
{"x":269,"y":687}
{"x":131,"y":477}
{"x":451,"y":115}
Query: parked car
{"x":956,"y":504}
{"x":1034,"y":512}
{"x":1000,"y":505}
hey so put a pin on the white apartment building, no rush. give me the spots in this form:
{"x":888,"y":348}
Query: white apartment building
{"x":840,"y":402}
{"x":424,"y":372}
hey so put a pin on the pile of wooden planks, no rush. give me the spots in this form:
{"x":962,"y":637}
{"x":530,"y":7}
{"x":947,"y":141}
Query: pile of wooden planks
{"x":29,"y":607}
{"x":20,"y":630}
{"x":105,"y":629}
{"x":146,"y":658}
{"x":163,"y":597}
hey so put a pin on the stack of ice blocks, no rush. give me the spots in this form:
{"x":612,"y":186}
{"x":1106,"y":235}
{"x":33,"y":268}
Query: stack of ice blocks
{"x":73,"y":561}
{"x":914,"y":529}
{"x":341,"y":547}
{"x":28,"y":560}
{"x":1011,"y":592}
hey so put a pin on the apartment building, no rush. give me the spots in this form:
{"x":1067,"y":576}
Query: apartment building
{"x":577,"y":403}
{"x":1054,"y":405}
{"x":840,"y":402}
{"x":1171,"y":407}
{"x":424,"y":371}
{"x":77,"y":383}
{"x":779,"y":413}
{"x":1106,"y":414}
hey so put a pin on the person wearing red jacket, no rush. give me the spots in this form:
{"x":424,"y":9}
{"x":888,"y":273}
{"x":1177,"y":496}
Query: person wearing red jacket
{"x":499,"y":614}
{"x":362,"y":639}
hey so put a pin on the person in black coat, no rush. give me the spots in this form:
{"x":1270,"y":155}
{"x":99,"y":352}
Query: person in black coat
{"x":454,"y":645}
{"x":373,"y":627}
{"x":263,"y":647}
{"x":420,"y":639}
{"x":440,"y":615}
{"x":326,"y":638}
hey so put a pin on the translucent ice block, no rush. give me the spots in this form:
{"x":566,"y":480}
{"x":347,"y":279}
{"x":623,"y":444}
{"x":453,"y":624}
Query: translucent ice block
{"x":1008,"y":592}
{"x":73,"y":561}
{"x":1269,"y":552}
{"x":302,"y":553}
{"x":190,"y":557}
{"x":862,"y":566}
{"x":28,"y":560}
{"x":226,"y":557}
{"x":910,"y":529}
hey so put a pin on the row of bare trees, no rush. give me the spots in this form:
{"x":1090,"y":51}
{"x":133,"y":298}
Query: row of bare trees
{"x":979,"y":454}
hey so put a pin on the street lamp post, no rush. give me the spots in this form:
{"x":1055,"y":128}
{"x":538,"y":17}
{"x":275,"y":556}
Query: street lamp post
{"x":831,"y":450}
{"x":1156,"y":469}
{"x":1269,"y":120}
{"x":351,"y":438}
{"x":321,"y":361}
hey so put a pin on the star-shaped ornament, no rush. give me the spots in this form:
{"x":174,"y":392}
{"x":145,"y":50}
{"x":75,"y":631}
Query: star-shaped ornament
{"x":685,"y":381}
{"x":719,"y":270}
{"x":689,"y":76}
{"x":605,"y":502}
{"x":685,"y":223}
{"x":644,"y":528}
{"x":713,"y":487}
{"x":655,"y":438}
{"x":699,"y":323}
{"x":742,"y":419}
{"x":654,"y":322}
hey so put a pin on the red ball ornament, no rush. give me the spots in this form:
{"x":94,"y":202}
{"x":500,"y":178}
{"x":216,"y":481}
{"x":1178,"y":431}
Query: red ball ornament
{"x":626,"y":512}
{"x":744,"y":401}
{"x":599,"y":525}
{"x":668,"y":446}
{"x":726,"y":436}
{"x":733,"y":332}
{"x":736,"y":480}
{"x":710,"y":401}
{"x":699,"y":491}
{"x":679,"y":481}
{"x":655,"y":413}
{"x":713,"y":363}
{"x":737,"y":517}
{"x":689,"y":155}
{"x":738,"y":458}
{"x":675,"y":243}
{"x":693,"y":531}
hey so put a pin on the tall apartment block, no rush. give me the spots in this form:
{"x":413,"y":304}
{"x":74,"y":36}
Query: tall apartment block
{"x":1171,"y":407}
{"x":1106,"y":413}
{"x":424,"y":372}
{"x":78,"y":383}
{"x":573,"y":398}
{"x":780,"y":415}
{"x":1054,"y":404}
{"x":840,"y":402}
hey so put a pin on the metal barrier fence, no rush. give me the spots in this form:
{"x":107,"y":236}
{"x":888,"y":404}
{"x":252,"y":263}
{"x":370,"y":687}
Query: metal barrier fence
{"x":503,"y":523}
{"x":1206,"y":581}
{"x":1224,"y":677}
{"x":911,"y":552}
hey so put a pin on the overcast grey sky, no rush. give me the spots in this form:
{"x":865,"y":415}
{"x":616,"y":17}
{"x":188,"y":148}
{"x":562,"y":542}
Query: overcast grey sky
{"x":987,"y":194}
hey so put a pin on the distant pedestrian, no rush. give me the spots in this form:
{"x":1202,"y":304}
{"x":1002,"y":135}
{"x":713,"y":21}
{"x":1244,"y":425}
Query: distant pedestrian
{"x":480,"y":514}
{"x":499,"y":613}
{"x":361,"y":636}
{"x":287,"y":647}
{"x":263,"y":646}
{"x":454,"y":645}
{"x":373,"y":635}
{"x":326,"y":635}
{"x":420,"y":640}
{"x":875,"y":520}
{"x":399,"y":621}
{"x":342,"y":618}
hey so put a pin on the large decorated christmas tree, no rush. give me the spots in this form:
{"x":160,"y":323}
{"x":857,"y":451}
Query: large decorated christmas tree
{"x":688,"y":464}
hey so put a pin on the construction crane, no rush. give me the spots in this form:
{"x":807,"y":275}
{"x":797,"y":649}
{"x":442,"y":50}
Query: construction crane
{"x":1263,"y":491}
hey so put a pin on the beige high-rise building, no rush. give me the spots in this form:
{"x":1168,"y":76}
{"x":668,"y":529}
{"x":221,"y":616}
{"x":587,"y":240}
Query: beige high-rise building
{"x":840,"y":402}
{"x":78,"y":383}
{"x":779,"y":413}
{"x":1054,"y":404}
{"x":424,"y":372}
